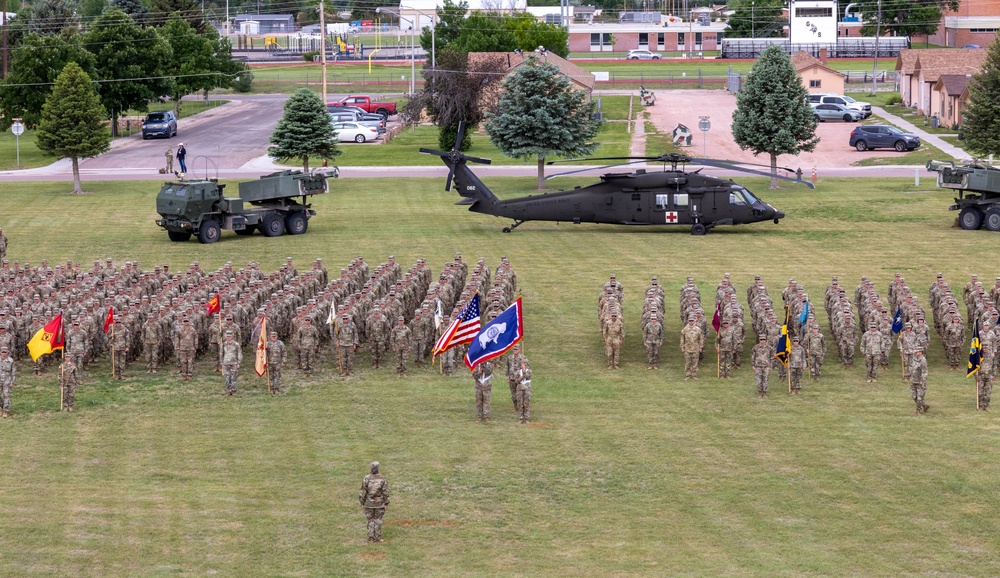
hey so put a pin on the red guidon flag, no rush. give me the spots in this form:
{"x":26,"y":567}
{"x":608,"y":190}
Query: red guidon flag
{"x":260,"y":363}
{"x":47,"y":339}
{"x":213,"y":306}
{"x":109,"y":320}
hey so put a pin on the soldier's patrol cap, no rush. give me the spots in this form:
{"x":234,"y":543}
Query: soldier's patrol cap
{"x":690,"y":279}
{"x":908,"y":325}
{"x":691,"y":318}
{"x":118,"y":321}
{"x":230,"y":334}
{"x":273,"y":334}
{"x":762,"y":337}
{"x":4,"y":349}
{"x":309,"y":319}
{"x":345,"y":316}
{"x":186,"y":320}
{"x":974,"y":276}
{"x":612,"y":275}
{"x":795,"y":340}
{"x":400,"y":318}
{"x":654,"y":278}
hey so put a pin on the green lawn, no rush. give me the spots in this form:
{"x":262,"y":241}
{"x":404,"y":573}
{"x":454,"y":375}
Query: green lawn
{"x":31,"y":156}
{"x":630,"y":473}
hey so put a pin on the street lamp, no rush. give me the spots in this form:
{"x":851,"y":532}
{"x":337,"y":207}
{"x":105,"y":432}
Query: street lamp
{"x":751,"y":20}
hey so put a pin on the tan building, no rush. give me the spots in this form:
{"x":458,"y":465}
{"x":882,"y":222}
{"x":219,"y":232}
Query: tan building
{"x":816,"y":75}
{"x":906,"y":62}
{"x":951,"y":92}
{"x":932,"y":64}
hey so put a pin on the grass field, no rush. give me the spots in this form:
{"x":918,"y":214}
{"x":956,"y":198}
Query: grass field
{"x":631,"y":473}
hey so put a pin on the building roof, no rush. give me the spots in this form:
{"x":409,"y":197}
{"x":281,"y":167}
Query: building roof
{"x":263,"y":17}
{"x":953,"y":84}
{"x":932,"y":63}
{"x":514,"y":59}
{"x":907,"y":60}
{"x":802,"y":60}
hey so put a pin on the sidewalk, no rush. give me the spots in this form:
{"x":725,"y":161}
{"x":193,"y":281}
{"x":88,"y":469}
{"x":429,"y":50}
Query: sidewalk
{"x":933,"y":139}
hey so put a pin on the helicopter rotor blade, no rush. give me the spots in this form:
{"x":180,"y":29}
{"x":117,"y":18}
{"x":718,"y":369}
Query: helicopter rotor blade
{"x":588,"y":159}
{"x":736,"y":167}
{"x":736,"y":164}
{"x":600,"y":168}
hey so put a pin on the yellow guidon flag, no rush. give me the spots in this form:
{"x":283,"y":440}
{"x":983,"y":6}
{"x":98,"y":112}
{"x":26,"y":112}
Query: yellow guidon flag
{"x":48,"y":339}
{"x":260,"y":363}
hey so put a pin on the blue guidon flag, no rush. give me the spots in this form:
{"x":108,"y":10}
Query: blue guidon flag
{"x":497,"y":337}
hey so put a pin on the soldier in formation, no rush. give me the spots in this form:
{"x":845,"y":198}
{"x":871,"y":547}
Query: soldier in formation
{"x":986,"y":375}
{"x":614,"y":335}
{"x":692,"y":344}
{"x":871,"y":348}
{"x":482,"y":377}
{"x":275,"y":361}
{"x":347,"y":343}
{"x":119,"y":343}
{"x":918,"y":381}
{"x":308,"y":344}
{"x":186,"y":344}
{"x":521,"y":372}
{"x":653,"y":307}
{"x":374,"y":498}
{"x":724,"y":345}
{"x":796,"y":366}
{"x":400,"y":342}
{"x":69,"y":380}
{"x":3,"y":245}
{"x":760,"y":359}
{"x":8,"y":373}
{"x":232,"y":357}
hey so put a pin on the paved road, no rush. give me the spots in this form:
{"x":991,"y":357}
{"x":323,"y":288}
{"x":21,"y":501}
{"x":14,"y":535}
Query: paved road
{"x":234,"y":138}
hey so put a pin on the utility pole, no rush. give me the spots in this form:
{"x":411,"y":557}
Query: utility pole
{"x":752,"y":27}
{"x":3,"y":73}
{"x":322,"y":45}
{"x":878,"y":24}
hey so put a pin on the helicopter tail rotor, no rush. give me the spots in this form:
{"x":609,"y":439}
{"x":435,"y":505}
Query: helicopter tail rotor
{"x":453,"y":157}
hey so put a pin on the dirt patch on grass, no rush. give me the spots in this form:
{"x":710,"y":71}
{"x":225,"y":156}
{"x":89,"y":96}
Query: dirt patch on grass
{"x":373,"y":555}
{"x":418,"y":523}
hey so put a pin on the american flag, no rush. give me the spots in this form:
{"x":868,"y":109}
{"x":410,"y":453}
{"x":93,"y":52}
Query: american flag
{"x":462,"y":330}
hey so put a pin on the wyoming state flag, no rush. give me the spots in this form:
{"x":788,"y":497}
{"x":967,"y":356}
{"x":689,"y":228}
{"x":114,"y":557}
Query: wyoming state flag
{"x":48,"y":339}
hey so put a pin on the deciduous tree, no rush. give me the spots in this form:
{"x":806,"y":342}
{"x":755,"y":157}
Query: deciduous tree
{"x":772,"y":114}
{"x":304,"y":130}
{"x":540,"y":114}
{"x":35,"y":66}
{"x":904,"y":17}
{"x":72,"y":123}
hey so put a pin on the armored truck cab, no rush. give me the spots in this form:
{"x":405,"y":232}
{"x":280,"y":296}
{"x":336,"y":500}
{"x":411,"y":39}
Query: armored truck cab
{"x":978,"y":187}
{"x":270,"y":204}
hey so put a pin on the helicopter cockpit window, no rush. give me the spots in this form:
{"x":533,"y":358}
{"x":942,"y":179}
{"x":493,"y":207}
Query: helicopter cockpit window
{"x":749,"y":196}
{"x":661,"y":202}
{"x":680,"y":200}
{"x":736,"y":197}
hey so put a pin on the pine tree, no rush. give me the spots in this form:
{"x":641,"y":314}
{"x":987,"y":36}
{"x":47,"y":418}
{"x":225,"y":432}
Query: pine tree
{"x":540,"y":115}
{"x":304,"y":130}
{"x":73,"y":121}
{"x":772,"y":112}
{"x":981,"y":126}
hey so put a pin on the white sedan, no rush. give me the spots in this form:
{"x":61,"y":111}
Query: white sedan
{"x":352,"y":131}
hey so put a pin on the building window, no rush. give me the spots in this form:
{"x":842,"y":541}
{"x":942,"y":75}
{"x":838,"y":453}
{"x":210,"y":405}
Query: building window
{"x":984,"y":30}
{"x":644,"y":40}
{"x":659,"y":41}
{"x":815,"y":83}
{"x":595,"y":42}
{"x":813,"y":12}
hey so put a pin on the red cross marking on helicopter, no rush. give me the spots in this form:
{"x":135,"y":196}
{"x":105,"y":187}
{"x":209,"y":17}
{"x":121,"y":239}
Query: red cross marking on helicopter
{"x":671,"y":216}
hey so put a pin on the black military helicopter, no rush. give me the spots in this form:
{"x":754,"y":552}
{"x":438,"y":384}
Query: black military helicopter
{"x":668,"y":197}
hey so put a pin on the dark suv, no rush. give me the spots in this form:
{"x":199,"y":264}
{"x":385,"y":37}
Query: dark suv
{"x":159,"y":123}
{"x":873,"y":136}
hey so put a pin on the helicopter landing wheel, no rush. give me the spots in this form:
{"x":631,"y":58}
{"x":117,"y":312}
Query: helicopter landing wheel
{"x":698,"y":229}
{"x":506,"y":229}
{"x":512,"y":226}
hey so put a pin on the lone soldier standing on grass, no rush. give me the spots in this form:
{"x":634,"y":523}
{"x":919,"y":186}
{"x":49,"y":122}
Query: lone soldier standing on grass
{"x":374,"y":499}
{"x":760,"y":358}
{"x":232,"y":357}
{"x":7,"y":374}
{"x":918,"y":381}
{"x":482,"y":375}
{"x":69,"y":379}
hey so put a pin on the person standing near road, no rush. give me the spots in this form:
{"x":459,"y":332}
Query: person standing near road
{"x":181,"y":154}
{"x":169,"y":154}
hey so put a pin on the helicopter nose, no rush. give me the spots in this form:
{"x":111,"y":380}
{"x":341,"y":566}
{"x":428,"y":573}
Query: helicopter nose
{"x":778,"y":215}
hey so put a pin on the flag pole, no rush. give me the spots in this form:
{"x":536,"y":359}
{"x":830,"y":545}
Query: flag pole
{"x":62,"y":385}
{"x":336,"y":331}
{"x":112,"y":349}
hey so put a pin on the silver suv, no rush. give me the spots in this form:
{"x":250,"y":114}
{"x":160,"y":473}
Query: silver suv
{"x":864,"y":108}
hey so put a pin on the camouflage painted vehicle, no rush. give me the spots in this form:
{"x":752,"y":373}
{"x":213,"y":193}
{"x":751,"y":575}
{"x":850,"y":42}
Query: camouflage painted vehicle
{"x":978,"y":187}
{"x":269,"y":204}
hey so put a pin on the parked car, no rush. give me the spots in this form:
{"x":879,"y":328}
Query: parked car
{"x":352,"y":131}
{"x":872,"y":136}
{"x":386,"y":109}
{"x":357,"y":109}
{"x":159,"y":123}
{"x":845,"y":101}
{"x":351,"y":116}
{"x":972,"y":46}
{"x":825,"y":112}
{"x":641,"y":54}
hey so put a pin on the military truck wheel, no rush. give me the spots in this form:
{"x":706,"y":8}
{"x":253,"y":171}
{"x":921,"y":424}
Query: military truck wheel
{"x":971,"y":218}
{"x":178,"y":236}
{"x":698,"y":229}
{"x":209,"y":232}
{"x":992,"y":221}
{"x":273,"y":225}
{"x":296,"y":223}
{"x":247,"y":231}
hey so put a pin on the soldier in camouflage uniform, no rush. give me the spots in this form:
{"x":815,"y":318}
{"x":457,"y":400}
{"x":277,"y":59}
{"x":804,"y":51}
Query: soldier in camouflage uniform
{"x":522,"y":388}
{"x":907,"y":343}
{"x":399,"y":340}
{"x":692,"y":343}
{"x":69,"y":380}
{"x":954,"y":340}
{"x":308,"y":342}
{"x":374,"y":499}
{"x":482,"y":378}
{"x":760,"y":359}
{"x":652,"y":338}
{"x":378,"y":331}
{"x":275,"y":361}
{"x":724,"y":343}
{"x":871,"y":348}
{"x":232,"y":357}
{"x":76,"y":344}
{"x":3,"y":244}
{"x":614,"y":334}
{"x":8,"y":373}
{"x":187,"y":344}
{"x":151,"y":343}
{"x":796,"y":365}
{"x":347,"y":342}
{"x":918,"y":381}
{"x":816,"y":348}
{"x":118,"y":343}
